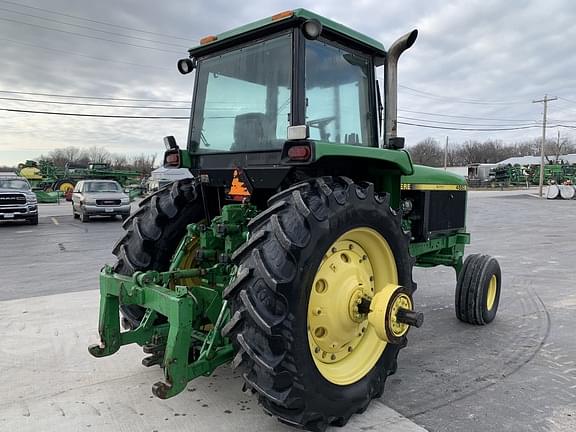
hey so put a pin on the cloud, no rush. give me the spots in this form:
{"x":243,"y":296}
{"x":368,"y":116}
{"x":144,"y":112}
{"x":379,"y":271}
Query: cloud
{"x":483,"y":50}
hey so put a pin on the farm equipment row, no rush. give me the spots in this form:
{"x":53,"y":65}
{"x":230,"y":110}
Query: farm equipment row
{"x":49,"y":181}
{"x":524,"y":175}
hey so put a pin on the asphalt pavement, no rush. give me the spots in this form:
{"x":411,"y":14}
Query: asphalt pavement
{"x":516,"y":374}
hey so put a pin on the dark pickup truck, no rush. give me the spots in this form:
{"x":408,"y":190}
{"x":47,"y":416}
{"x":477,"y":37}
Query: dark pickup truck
{"x":17,"y":201}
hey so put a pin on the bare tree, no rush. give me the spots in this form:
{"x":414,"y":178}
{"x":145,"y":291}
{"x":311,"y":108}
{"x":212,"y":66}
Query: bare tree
{"x":143,"y":163}
{"x":556,"y":148}
{"x":98,"y":155}
{"x":427,"y":152}
{"x":120,"y":161}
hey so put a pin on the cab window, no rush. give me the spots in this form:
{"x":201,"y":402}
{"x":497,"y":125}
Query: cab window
{"x":337,"y":89}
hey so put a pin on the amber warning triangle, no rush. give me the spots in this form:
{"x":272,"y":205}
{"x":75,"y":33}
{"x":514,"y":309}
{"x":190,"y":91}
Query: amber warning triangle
{"x":238,"y":190}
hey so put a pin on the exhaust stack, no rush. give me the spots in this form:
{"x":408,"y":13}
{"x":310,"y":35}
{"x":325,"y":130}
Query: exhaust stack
{"x":391,"y":94}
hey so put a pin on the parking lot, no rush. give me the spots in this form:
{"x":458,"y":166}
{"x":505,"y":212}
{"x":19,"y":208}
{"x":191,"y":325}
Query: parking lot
{"x":517,"y":374}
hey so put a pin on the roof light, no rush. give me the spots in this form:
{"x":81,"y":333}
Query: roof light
{"x":207,"y":39}
{"x":282,"y":15}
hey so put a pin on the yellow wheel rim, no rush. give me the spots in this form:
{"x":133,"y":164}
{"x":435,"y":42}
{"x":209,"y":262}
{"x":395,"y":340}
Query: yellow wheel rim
{"x":492,"y":288}
{"x":65,"y":187}
{"x":342,"y":343}
{"x":188,"y":261}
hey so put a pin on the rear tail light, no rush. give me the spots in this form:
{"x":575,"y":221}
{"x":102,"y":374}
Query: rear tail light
{"x":172,"y":159}
{"x":299,"y":153}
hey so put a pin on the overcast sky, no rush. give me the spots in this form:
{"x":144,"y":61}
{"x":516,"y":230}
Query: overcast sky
{"x":477,"y":64}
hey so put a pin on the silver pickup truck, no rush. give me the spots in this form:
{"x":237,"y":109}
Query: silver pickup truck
{"x":17,"y":201}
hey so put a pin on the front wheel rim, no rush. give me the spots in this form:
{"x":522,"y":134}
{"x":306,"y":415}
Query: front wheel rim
{"x":491,"y":294}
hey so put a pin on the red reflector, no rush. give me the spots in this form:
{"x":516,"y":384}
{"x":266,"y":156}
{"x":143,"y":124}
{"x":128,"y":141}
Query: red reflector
{"x":299,"y":153}
{"x":173,"y":159}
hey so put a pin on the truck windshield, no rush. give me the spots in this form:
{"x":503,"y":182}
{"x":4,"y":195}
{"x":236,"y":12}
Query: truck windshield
{"x":103,"y":187}
{"x":243,"y":98}
{"x":17,"y":184}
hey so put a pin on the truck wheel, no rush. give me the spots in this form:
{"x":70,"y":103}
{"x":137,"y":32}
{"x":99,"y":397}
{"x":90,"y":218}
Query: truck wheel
{"x":84,"y":218}
{"x":301,"y":342}
{"x":153,"y":232}
{"x":478,"y":290}
{"x":33,"y":220}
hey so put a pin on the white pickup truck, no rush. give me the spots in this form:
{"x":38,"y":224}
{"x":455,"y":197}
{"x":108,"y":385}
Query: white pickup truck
{"x":17,"y":201}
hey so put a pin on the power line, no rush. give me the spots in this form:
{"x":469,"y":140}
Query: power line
{"x":566,"y":100}
{"x":83,"y":55}
{"x":94,"y":21}
{"x":92,"y":28}
{"x":458,"y":123}
{"x":94,"y":104}
{"x":89,"y":36}
{"x":468,"y":129}
{"x":93,"y":97}
{"x":465,"y":117}
{"x":459,"y":100}
{"x":95,"y":115}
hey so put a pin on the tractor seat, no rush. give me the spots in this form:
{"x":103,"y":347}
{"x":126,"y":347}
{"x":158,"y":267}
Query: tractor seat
{"x":249,"y":132}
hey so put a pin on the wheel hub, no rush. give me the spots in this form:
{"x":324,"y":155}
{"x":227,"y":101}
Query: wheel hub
{"x":391,"y":313}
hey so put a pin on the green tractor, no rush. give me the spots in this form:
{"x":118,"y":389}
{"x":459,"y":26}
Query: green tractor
{"x":290,"y":252}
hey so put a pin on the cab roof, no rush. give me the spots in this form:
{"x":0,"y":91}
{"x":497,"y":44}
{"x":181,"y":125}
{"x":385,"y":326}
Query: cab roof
{"x":281,"y":20}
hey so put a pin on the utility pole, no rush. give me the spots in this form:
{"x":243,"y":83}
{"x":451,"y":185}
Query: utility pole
{"x":558,"y":147}
{"x":545,"y":101}
{"x":446,"y":154}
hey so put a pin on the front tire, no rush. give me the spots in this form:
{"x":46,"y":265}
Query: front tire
{"x":478,"y":290}
{"x":270,"y":301}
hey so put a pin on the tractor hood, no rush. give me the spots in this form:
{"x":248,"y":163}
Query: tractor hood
{"x":433,"y":176}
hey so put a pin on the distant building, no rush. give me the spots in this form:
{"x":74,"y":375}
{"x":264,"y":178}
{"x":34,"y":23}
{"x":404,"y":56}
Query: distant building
{"x":160,"y":177}
{"x":535,"y":160}
{"x":461,"y":171}
{"x":478,"y":173}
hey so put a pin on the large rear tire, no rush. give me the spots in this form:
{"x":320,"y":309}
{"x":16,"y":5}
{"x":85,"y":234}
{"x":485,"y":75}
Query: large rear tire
{"x":153,"y":232}
{"x":289,"y":246}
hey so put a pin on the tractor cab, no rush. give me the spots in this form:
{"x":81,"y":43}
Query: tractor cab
{"x":282,"y":92}
{"x":299,"y":73}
